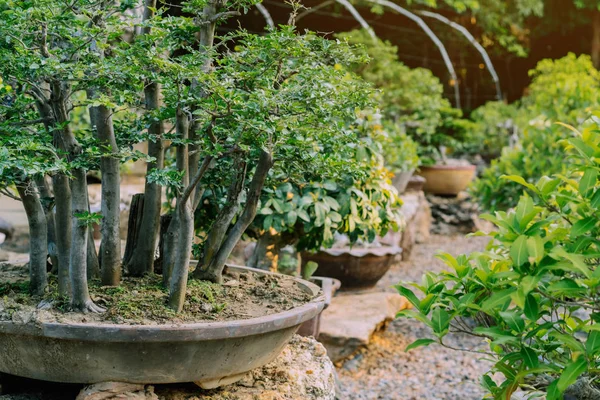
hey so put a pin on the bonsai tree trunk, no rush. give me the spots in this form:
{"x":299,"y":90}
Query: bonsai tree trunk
{"x":46,"y":198}
{"x":142,"y":259}
{"x":62,"y":198}
{"x":213,"y":271}
{"x":38,"y":233}
{"x":110,"y":259}
{"x":223,"y":221}
{"x":80,"y":297}
{"x":266,"y":253}
{"x":136,"y":211}
{"x":181,"y":262}
{"x":93,"y":264}
{"x":595,"y":50}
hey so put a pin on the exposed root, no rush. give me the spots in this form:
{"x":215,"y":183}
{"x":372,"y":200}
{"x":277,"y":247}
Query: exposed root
{"x":89,"y":307}
{"x":210,"y":276}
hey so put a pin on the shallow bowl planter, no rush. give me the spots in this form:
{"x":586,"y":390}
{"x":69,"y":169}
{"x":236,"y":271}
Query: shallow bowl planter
{"x":447,"y":179}
{"x":356,"y":268}
{"x":401,"y":179}
{"x":210,"y":354}
{"x":329,"y":286}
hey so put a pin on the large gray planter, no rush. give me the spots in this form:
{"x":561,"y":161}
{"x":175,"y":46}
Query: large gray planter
{"x":210,"y":354}
{"x":401,"y":179}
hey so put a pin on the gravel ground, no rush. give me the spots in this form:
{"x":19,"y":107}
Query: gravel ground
{"x":385,"y":371}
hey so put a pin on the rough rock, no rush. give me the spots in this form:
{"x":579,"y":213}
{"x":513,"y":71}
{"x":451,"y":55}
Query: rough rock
{"x":117,"y":391}
{"x":350,"y":321}
{"x":301,"y":372}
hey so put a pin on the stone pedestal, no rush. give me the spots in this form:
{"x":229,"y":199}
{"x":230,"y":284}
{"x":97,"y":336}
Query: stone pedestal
{"x":351,"y":319}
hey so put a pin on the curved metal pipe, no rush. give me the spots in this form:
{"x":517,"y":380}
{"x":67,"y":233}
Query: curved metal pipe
{"x":432,"y":36}
{"x":474,"y":42}
{"x":263,"y":10}
{"x":358,"y":17}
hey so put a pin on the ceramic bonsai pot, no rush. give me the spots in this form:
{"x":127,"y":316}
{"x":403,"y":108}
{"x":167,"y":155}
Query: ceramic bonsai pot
{"x":447,"y":179}
{"x":210,"y":354}
{"x":357,"y":268}
{"x":329,"y":286}
{"x":401,"y":179}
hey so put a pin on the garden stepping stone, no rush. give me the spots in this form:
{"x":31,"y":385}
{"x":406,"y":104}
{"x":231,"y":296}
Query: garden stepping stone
{"x":351,"y":319}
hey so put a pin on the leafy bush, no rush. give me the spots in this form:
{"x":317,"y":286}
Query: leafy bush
{"x":533,"y":294}
{"x":400,"y":152}
{"x":561,"y":90}
{"x":493,"y":124}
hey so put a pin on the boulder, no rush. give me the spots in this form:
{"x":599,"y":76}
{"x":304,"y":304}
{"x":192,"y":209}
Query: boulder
{"x":351,"y":319}
{"x":301,"y":372}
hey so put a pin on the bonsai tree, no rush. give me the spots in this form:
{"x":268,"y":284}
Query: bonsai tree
{"x":275,"y":100}
{"x":533,"y":294}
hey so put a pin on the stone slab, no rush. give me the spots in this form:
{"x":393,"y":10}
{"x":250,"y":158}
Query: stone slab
{"x":351,"y":319}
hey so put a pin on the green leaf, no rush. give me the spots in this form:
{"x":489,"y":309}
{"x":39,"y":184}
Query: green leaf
{"x":530,"y":357}
{"x":571,"y":373}
{"x":309,"y":269}
{"x":410,"y":296}
{"x":552,"y":392}
{"x":583,"y":226}
{"x":521,"y":181}
{"x":440,"y":321}
{"x":518,"y":251}
{"x":535,"y":248}
{"x":303,"y":215}
{"x":595,"y":200}
{"x":513,"y":320}
{"x":592,"y":344}
{"x":588,"y":181}
{"x":497,"y":300}
{"x":419,"y":343}
{"x":532,"y":308}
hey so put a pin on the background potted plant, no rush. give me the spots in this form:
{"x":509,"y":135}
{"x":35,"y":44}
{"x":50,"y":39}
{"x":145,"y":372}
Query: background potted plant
{"x":401,"y":156}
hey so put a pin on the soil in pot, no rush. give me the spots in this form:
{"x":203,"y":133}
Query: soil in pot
{"x":143,"y":301}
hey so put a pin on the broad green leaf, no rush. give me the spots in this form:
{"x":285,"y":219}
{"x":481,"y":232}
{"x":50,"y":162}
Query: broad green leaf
{"x":571,"y":373}
{"x":497,"y":300}
{"x":531,"y":309}
{"x":588,"y":181}
{"x":592,"y":344}
{"x":583,"y":226}
{"x":518,"y":251}
{"x":410,"y":296}
{"x":521,"y":181}
{"x":535,"y":248}
{"x":530,"y":357}
{"x":419,"y":343}
{"x":513,"y":320}
{"x":440,"y":321}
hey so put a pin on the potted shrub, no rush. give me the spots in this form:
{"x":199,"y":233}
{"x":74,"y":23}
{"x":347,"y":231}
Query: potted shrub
{"x":443,"y":175}
{"x":532,"y":295}
{"x":359,"y":206}
{"x":230,"y":120}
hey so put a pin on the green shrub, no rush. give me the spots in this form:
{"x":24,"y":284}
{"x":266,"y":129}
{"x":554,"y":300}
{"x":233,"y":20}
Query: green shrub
{"x":490,"y":133}
{"x":533,"y":294}
{"x":562,"y":90}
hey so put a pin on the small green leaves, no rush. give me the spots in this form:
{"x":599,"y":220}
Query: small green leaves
{"x":588,"y":181}
{"x":583,"y":226}
{"x":530,"y":357}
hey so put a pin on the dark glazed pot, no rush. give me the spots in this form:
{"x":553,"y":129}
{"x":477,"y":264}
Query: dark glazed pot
{"x":355,"y":268}
{"x":210,"y":354}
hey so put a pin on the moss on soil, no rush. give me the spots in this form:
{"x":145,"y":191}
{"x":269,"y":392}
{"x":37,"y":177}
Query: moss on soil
{"x":144,"y":300}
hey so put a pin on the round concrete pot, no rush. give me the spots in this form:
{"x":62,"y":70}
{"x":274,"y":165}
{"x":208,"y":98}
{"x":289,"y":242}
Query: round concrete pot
{"x":329,"y":286}
{"x":401,"y":179}
{"x":356,"y":268}
{"x":211,"y":354}
{"x":447,"y":179}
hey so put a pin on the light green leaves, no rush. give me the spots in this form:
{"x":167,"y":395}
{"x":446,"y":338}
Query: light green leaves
{"x":440,"y":321}
{"x":519,"y":251}
{"x":571,"y":373}
{"x":419,"y":343}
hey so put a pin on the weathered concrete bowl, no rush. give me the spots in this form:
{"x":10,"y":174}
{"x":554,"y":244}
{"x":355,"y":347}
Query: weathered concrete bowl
{"x":401,"y":179}
{"x":210,"y":354}
{"x":356,"y":268}
{"x":447,"y":179}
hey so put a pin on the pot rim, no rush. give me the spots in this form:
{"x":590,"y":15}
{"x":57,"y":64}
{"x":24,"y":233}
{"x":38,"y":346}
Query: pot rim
{"x":360,"y":252}
{"x":196,"y":331}
{"x":469,"y":167}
